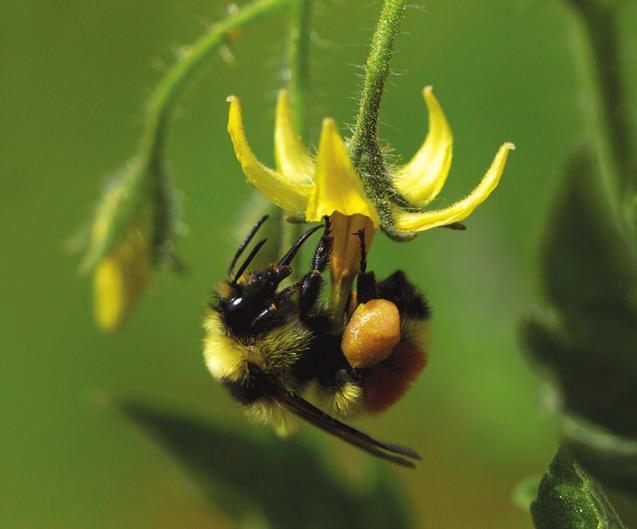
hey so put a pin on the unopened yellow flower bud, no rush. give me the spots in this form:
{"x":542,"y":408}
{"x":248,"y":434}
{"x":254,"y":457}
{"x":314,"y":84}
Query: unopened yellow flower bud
{"x":120,"y":279}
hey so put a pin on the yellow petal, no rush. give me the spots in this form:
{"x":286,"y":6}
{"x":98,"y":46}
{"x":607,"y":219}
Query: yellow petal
{"x":120,"y":279}
{"x":411,"y":222}
{"x":420,"y":180}
{"x":336,"y":184}
{"x":286,"y":193}
{"x":291,"y":158}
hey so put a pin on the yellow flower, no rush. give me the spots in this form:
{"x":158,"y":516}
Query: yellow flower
{"x":308,"y":188}
{"x":121,"y":277}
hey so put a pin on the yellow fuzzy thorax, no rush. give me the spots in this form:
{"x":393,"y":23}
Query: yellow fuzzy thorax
{"x":274,"y":352}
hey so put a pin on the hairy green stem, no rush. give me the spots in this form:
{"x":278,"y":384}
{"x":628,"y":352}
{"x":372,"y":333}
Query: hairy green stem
{"x":143,"y":175}
{"x":363,"y":147}
{"x":299,"y":63}
{"x":599,"y":53}
{"x":299,"y":89}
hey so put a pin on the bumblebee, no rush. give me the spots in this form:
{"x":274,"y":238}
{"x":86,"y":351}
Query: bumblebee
{"x":281,"y":352}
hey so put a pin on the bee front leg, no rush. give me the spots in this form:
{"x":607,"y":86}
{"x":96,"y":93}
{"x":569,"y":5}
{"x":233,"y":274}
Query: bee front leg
{"x":264,"y":317}
{"x":312,"y":282}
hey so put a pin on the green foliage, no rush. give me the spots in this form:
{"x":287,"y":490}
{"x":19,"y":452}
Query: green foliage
{"x":569,"y":499}
{"x":587,"y":347}
{"x":612,"y":459}
{"x":266,"y":478}
{"x":590,"y":275}
{"x":588,"y":344}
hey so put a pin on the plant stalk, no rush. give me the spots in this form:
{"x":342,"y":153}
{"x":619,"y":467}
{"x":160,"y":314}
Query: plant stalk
{"x":299,"y":63}
{"x":172,"y":84}
{"x":298,"y":89}
{"x":364,"y":149}
{"x":142,"y":176}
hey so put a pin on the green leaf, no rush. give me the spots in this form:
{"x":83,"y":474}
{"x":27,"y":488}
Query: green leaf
{"x":589,"y":345}
{"x":611,"y":459}
{"x":589,"y":264}
{"x":287,"y":483}
{"x":569,"y":498}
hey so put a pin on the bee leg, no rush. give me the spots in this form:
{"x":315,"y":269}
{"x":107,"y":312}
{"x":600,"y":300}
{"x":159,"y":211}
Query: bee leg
{"x":312,"y":282}
{"x":271,"y":311}
{"x":366,"y":281}
{"x":262,"y":319}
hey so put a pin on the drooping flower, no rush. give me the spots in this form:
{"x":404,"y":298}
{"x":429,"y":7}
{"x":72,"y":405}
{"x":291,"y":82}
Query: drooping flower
{"x":121,"y":277}
{"x":310,"y":188}
{"x":131,"y":234}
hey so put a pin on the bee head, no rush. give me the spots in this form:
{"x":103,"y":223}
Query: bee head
{"x":253,"y":296}
{"x":254,"y":299}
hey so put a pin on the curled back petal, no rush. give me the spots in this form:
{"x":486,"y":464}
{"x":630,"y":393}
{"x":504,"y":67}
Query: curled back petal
{"x":419,"y":221}
{"x":421,"y":179}
{"x":291,"y":158}
{"x":336,"y":183}
{"x":286,"y":193}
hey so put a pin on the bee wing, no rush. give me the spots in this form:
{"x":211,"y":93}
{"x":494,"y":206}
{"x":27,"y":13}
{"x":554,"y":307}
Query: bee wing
{"x":325,"y":422}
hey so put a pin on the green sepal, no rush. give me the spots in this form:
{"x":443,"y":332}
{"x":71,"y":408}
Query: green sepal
{"x":167,"y":220}
{"x":145,"y":190}
{"x":133,"y":190}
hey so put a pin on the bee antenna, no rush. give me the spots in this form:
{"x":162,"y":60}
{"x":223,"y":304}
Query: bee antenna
{"x":248,"y":260}
{"x":287,"y":258}
{"x":245,"y":243}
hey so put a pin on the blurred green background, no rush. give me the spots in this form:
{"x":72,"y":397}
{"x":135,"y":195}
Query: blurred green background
{"x":74,"y":77}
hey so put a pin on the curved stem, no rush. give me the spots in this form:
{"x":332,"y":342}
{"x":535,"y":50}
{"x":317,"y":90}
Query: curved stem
{"x":599,"y":53}
{"x":363,"y":147}
{"x":144,"y":173}
{"x":364,"y":142}
{"x":172,"y":84}
{"x":299,"y":54}
{"x":299,"y":89}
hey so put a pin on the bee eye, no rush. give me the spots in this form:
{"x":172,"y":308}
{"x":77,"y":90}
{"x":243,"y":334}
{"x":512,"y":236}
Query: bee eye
{"x":235,"y":304}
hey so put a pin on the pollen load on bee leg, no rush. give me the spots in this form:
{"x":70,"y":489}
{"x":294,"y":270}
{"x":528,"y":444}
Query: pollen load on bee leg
{"x":386,"y":341}
{"x":371,"y":333}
